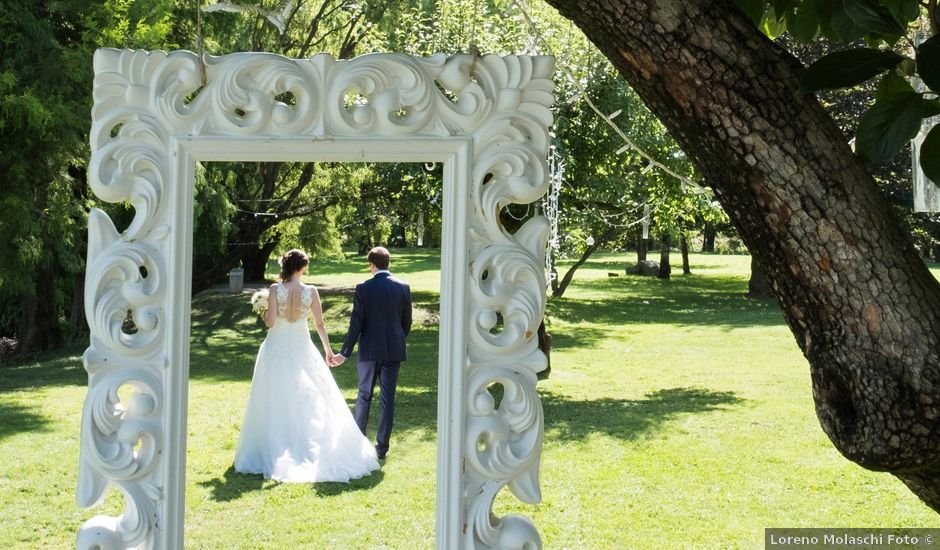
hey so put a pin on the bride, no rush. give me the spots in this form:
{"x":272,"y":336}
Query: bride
{"x":297,"y":425}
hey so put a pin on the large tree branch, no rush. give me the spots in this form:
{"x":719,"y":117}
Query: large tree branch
{"x":313,"y":28}
{"x":348,"y":47}
{"x":306,"y":176}
{"x":863,"y":306}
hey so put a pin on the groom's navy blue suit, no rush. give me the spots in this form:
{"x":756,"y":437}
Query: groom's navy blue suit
{"x":380,"y":321}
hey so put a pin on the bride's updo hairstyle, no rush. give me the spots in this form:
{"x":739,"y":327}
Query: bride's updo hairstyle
{"x":291,"y":262}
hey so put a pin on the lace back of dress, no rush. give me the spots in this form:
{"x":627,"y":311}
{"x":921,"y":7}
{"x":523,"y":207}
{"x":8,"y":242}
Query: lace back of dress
{"x":292,"y":302}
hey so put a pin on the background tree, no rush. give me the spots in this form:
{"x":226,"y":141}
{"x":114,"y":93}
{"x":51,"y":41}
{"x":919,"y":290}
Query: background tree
{"x":607,"y":185}
{"x":863,"y":306}
{"x":261,"y":199}
{"x":45,"y":83}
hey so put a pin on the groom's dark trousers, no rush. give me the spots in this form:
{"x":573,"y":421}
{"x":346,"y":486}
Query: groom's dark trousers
{"x":386,"y":372}
{"x":380,"y":322}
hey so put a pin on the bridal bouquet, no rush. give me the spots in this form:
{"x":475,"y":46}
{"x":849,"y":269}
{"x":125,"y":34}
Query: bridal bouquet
{"x":259,"y":302}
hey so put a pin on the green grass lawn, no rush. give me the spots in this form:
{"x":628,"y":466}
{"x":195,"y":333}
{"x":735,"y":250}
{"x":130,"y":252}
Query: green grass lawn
{"x":677,"y":414}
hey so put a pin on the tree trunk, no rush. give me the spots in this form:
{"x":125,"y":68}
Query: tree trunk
{"x":39,"y":317}
{"x":364,"y":245}
{"x":758,"y":286}
{"x":553,"y":279}
{"x":684,"y":248}
{"x":80,"y":189}
{"x":559,"y":291}
{"x":863,"y":307}
{"x":211,"y":269}
{"x":545,"y":344}
{"x":664,"y":269}
{"x":708,"y":238}
{"x":255,"y":260}
{"x":77,"y":316}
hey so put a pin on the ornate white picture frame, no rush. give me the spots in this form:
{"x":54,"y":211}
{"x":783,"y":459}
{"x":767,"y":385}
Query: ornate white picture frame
{"x":485,"y":118}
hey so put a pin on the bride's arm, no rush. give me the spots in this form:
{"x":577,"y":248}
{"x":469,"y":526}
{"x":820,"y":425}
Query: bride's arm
{"x":317,"y":309}
{"x":270,"y":316}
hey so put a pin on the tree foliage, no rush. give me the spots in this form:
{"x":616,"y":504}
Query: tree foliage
{"x":894,"y":55}
{"x":45,"y":84}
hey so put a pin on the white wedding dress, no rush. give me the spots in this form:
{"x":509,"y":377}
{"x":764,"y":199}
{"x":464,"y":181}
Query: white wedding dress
{"x":297,"y":425}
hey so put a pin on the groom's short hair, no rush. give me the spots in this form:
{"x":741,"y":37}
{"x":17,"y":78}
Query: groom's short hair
{"x":379,"y":257}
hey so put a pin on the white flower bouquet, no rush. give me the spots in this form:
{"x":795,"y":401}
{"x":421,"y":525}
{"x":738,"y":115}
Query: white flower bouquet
{"x":259,"y":302}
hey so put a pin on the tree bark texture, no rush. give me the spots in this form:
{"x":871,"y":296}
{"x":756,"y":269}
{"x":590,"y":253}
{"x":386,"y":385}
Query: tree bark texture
{"x":77,"y":314}
{"x":545,"y":344}
{"x":684,"y":250}
{"x":255,"y":260}
{"x":665,"y":270}
{"x":559,"y":290}
{"x":39,"y":317}
{"x":863,"y":307}
{"x":758,"y":286}
{"x":708,"y":238}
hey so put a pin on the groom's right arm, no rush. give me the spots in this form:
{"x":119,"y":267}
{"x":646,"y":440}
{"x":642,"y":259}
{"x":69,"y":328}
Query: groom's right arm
{"x":355,"y":324}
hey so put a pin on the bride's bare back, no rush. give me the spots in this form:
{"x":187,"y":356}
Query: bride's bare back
{"x":293,"y":301}
{"x":292,"y":304}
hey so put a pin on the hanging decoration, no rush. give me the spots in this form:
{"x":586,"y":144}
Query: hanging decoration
{"x":551,"y":211}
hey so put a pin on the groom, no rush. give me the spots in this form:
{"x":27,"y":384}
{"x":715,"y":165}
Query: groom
{"x":380,"y":321}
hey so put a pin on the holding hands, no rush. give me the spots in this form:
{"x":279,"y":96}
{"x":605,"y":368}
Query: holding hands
{"x":334,"y":360}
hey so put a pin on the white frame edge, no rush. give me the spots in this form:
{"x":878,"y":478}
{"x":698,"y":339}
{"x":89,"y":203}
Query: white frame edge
{"x":926,"y":192}
{"x":146,"y":139}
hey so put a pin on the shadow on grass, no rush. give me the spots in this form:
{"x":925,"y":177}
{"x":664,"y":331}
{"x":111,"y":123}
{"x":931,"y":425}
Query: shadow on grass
{"x":16,"y":418}
{"x":231,"y":358}
{"x":62,"y":367}
{"x":715,"y":302}
{"x":232,"y":485}
{"x":332,"y":489}
{"x":567,"y":419}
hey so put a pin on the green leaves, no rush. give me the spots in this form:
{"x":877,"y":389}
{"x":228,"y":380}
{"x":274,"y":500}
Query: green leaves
{"x":894,"y":119}
{"x":847,"y":68}
{"x":871,"y":16}
{"x":805,"y":22}
{"x":845,"y":20}
{"x":899,"y":110}
{"x":754,"y":9}
{"x":931,"y":107}
{"x":930,"y":154}
{"x":845,"y":29}
{"x":928,"y":63}
{"x":771,"y":25}
{"x":902,"y":10}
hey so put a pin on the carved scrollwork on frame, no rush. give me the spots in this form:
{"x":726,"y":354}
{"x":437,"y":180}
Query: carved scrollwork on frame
{"x":507,"y":302}
{"x":485,"y":530}
{"x":132,"y":529}
{"x":243,"y":95}
{"x":146,"y":102}
{"x":122,"y":441}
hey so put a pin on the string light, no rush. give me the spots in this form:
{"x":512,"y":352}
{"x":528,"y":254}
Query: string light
{"x":582,"y":94}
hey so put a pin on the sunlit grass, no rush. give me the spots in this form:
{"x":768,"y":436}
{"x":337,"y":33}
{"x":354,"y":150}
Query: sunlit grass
{"x":677,"y":414}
